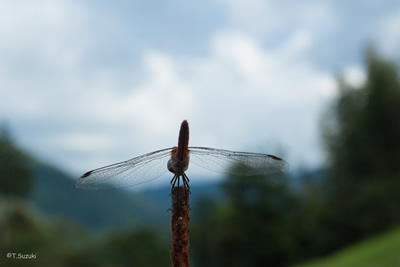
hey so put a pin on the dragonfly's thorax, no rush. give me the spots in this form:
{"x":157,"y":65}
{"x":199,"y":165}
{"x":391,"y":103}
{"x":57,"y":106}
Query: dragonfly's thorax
{"x":175,"y":165}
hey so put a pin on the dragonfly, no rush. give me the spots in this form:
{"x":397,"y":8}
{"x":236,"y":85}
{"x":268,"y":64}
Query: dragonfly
{"x":176,"y":159}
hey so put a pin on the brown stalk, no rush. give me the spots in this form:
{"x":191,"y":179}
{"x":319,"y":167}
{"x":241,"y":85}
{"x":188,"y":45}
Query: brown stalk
{"x":180,"y":227}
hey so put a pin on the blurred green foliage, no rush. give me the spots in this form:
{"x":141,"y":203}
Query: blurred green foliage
{"x":55,"y":242}
{"x":363,"y":143}
{"x":254,"y":227}
{"x":15,"y":173}
{"x":262,"y":222}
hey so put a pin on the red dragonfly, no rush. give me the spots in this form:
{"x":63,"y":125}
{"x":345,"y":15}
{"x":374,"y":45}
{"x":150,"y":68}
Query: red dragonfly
{"x":150,"y":166}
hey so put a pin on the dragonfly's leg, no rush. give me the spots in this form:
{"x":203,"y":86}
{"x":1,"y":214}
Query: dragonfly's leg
{"x":186,"y":181}
{"x":173,"y":181}
{"x":176,"y":178}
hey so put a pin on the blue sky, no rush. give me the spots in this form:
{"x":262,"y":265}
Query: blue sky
{"x":88,"y":83}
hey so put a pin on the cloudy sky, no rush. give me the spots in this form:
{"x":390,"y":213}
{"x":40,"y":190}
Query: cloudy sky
{"x":88,"y":83}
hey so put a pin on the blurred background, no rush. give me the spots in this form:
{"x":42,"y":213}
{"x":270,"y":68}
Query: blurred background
{"x":84,"y":84}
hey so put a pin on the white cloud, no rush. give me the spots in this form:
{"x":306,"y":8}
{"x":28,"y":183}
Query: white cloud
{"x":269,"y":73}
{"x":243,"y":53}
{"x":354,"y":76}
{"x":160,"y":99}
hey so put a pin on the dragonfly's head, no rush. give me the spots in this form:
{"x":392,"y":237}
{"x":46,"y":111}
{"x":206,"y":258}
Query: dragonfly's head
{"x":175,"y":165}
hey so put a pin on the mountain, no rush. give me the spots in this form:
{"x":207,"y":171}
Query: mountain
{"x":55,"y":194}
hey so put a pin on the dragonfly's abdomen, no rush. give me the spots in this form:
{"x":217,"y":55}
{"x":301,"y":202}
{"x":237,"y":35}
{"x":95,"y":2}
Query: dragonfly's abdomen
{"x":183,"y":141}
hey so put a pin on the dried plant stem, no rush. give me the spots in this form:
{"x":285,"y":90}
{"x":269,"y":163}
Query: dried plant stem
{"x":180,"y":227}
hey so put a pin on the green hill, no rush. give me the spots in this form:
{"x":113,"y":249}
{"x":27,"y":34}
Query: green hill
{"x":382,"y":250}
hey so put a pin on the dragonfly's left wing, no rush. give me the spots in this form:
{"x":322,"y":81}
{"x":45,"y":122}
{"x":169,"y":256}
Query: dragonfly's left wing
{"x":236,"y":163}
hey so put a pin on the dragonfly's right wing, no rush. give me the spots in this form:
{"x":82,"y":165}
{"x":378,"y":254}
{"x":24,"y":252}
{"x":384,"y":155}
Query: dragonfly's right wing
{"x":236,"y":163}
{"x":132,"y":172}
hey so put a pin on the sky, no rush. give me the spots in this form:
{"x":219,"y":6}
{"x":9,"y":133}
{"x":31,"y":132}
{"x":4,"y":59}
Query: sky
{"x":89,"y":83}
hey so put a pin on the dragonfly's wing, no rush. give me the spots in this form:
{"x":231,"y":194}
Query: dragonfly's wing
{"x":127,"y":173}
{"x":236,"y":163}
